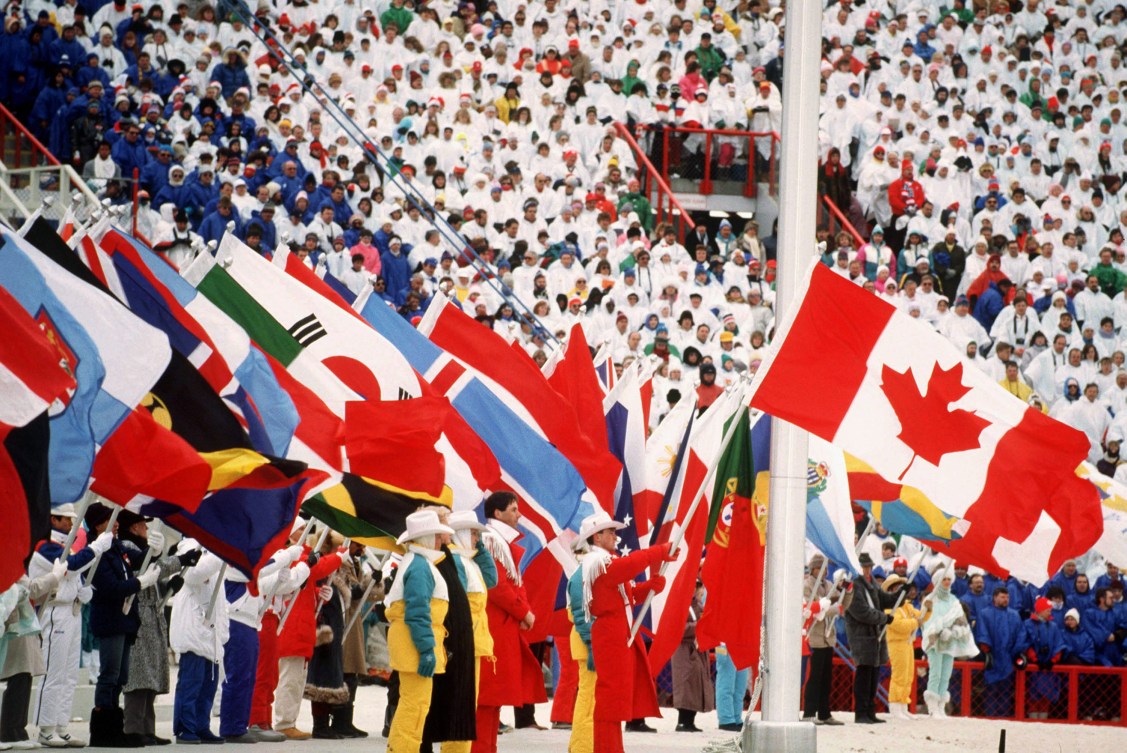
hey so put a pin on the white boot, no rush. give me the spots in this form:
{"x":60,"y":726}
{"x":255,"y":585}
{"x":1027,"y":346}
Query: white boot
{"x":900,"y":711}
{"x":934,"y":704}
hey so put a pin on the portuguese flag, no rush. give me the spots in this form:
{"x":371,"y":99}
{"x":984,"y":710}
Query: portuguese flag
{"x":733,"y":568}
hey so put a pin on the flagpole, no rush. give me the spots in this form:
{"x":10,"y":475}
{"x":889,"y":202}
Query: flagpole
{"x":268,"y":598}
{"x":360,"y":608}
{"x":678,"y":531}
{"x":215,"y":593}
{"x":780,"y":730}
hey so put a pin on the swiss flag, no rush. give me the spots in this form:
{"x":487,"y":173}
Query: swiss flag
{"x":891,"y":390}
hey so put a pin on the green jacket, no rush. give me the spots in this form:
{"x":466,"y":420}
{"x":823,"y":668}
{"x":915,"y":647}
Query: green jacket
{"x":401,"y":17}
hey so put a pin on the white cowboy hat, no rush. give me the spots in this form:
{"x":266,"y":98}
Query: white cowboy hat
{"x":465,"y":520}
{"x":422,"y":523}
{"x":600,"y":521}
{"x":64,"y":511}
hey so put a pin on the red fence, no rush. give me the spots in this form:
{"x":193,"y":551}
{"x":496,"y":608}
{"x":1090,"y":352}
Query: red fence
{"x":667,"y":209}
{"x":1065,"y":694}
{"x":831,"y":219}
{"x":18,"y":148}
{"x":708,"y":156}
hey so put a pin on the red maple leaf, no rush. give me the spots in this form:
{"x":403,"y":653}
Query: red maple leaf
{"x":927,"y":424}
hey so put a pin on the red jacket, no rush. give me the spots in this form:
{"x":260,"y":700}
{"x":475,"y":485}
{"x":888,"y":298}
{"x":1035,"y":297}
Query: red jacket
{"x":515,"y":678}
{"x":903,"y":192}
{"x":624,"y":689}
{"x":300,"y":632}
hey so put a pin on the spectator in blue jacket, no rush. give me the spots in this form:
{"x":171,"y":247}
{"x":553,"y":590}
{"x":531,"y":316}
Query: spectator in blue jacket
{"x":991,"y":302}
{"x":232,"y":72}
{"x":395,"y":268}
{"x":155,"y":175}
{"x":214,"y":225}
{"x":90,"y":71}
{"x":129,"y":151}
{"x":264,"y":220}
{"x":1000,"y":634}
{"x":69,"y":47}
{"x":1079,"y":648}
{"x":1103,"y":626}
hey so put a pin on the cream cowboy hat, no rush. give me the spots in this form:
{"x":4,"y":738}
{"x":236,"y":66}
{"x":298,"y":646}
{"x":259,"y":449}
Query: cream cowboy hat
{"x":600,"y":521}
{"x":422,"y":523}
{"x":465,"y":520}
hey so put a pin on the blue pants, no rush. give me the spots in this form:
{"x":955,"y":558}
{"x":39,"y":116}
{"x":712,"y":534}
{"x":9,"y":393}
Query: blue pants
{"x":113,"y":672}
{"x":195,"y":693}
{"x":240,"y":665}
{"x":731,"y":684}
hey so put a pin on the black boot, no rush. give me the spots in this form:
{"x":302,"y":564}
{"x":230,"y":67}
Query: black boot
{"x":101,"y":729}
{"x":342,"y":722}
{"x":321,"y":728}
{"x":107,"y":730}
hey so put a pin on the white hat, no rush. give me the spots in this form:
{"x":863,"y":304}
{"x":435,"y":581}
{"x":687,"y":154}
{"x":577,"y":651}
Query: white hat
{"x":423,"y":523}
{"x":1074,"y":614}
{"x":600,"y":521}
{"x":465,"y":520}
{"x":64,"y":511}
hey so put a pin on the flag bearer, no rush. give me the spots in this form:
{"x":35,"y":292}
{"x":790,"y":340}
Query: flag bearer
{"x":61,"y":619}
{"x":481,"y":575}
{"x":416,"y":607}
{"x":583,"y":720}
{"x":624,"y":688}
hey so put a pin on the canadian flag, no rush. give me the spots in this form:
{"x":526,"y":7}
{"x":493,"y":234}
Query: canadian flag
{"x":889,"y":389}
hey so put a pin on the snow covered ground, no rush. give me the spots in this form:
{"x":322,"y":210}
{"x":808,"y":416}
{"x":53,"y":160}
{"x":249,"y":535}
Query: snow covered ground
{"x":921,"y":736}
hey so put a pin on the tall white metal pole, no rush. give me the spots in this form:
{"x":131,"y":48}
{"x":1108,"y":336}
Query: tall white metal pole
{"x":781,"y":730}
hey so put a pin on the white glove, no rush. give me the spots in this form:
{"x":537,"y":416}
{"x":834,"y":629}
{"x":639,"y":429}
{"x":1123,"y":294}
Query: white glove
{"x":59,"y":569}
{"x":102,"y":544}
{"x":840,"y":576}
{"x":148,"y":578}
{"x":294,"y":553}
{"x":155,"y":541}
{"x":85,"y":594}
{"x":326,"y":593}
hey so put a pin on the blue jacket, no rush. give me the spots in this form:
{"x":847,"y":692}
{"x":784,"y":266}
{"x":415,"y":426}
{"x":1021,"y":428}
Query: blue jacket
{"x":1078,"y":647}
{"x":988,"y":306}
{"x":1003,"y":632}
{"x":230,"y":78}
{"x":1045,"y":640}
{"x":1100,"y":624}
{"x":113,"y":583}
{"x":269,"y":232}
{"x":976,"y":604}
{"x":1080,"y":602}
{"x":72,"y":49}
{"x":129,"y":156}
{"x":396,"y":271}
{"x":155,"y":176}
{"x":1022,"y":596}
{"x":214,"y":226}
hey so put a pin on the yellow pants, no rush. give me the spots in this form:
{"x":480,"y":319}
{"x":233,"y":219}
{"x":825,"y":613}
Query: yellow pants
{"x":583,"y":719}
{"x":463,"y":746}
{"x":411,"y":715}
{"x":903,"y":658}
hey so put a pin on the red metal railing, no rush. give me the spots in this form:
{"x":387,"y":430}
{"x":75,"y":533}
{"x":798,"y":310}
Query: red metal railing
{"x":667,"y":209}
{"x":678,"y":149}
{"x":1064,"y":694}
{"x":830,"y":218}
{"x":25,"y":150}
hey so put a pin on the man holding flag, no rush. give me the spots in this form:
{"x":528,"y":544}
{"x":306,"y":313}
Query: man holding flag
{"x":624,"y":689}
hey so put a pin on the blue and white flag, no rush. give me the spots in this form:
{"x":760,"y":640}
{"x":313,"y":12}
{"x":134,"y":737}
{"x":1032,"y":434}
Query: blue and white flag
{"x":829,"y":514}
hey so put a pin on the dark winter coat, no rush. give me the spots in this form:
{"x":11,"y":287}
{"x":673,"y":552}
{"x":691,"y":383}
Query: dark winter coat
{"x":865,"y":620}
